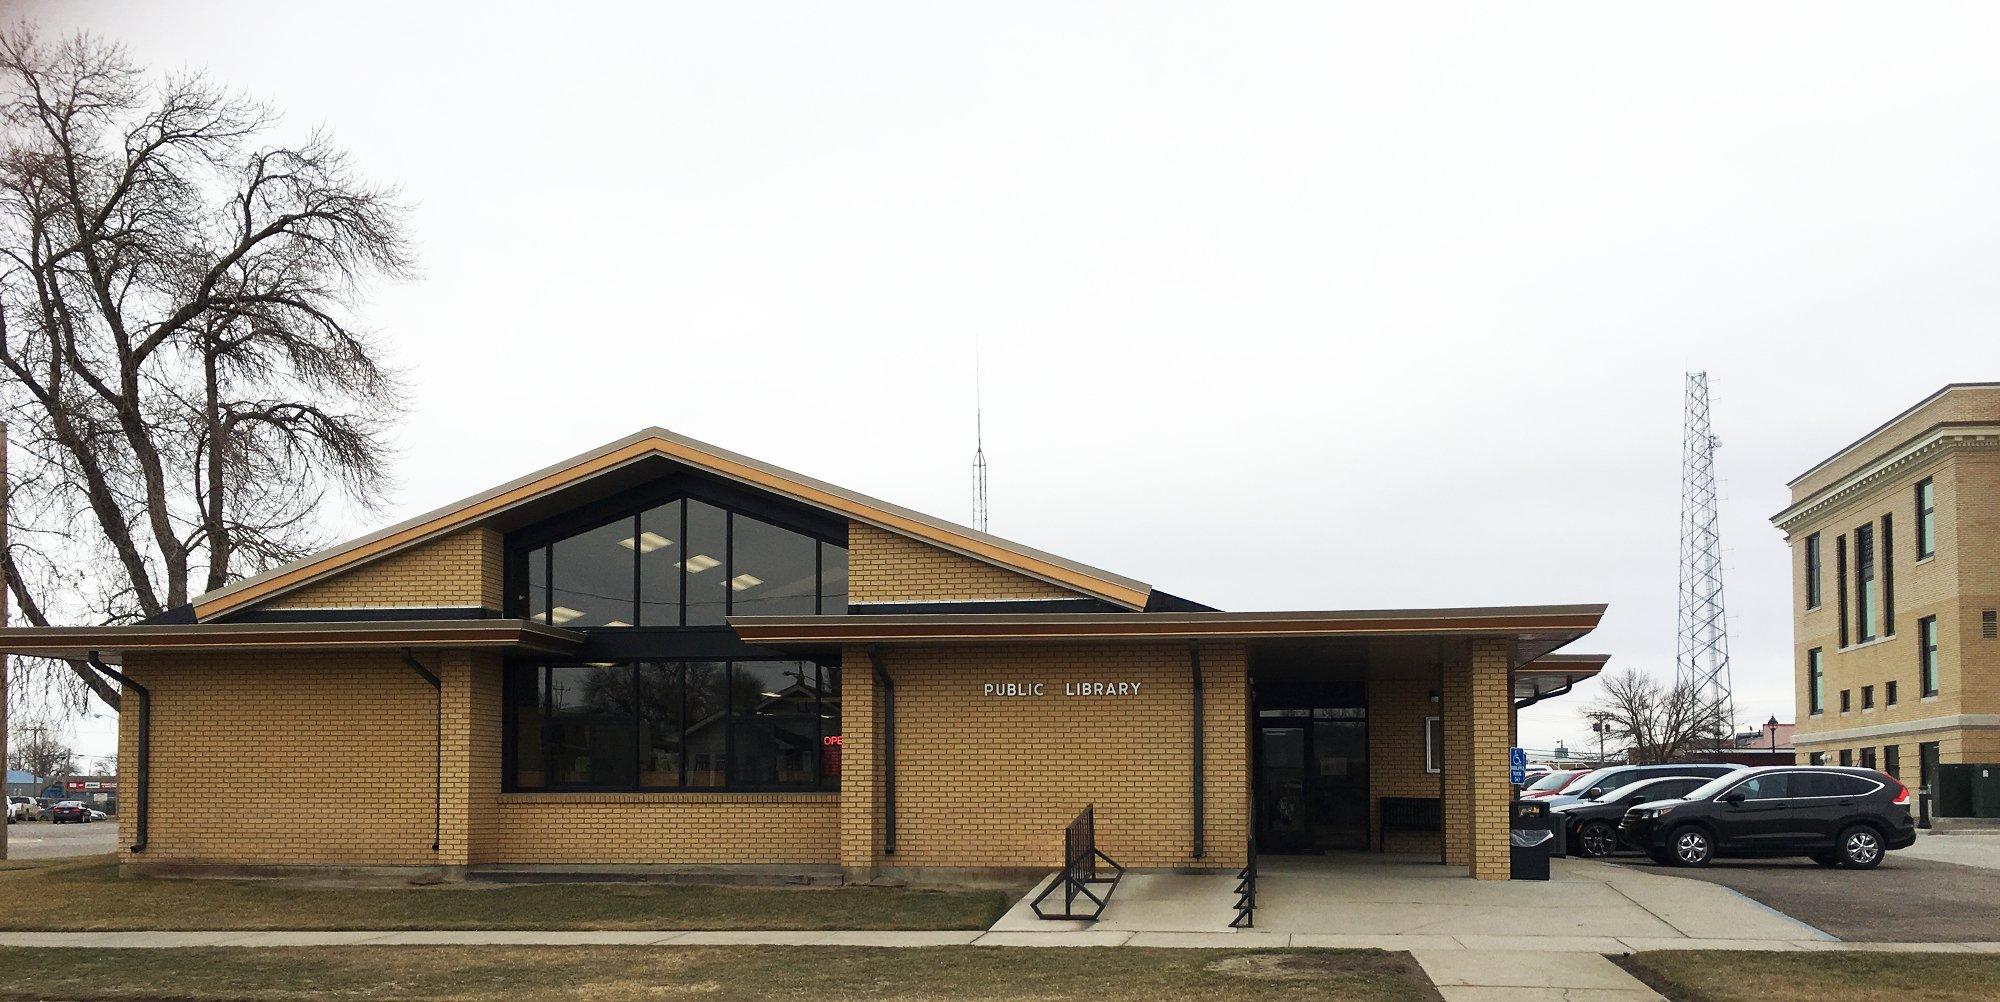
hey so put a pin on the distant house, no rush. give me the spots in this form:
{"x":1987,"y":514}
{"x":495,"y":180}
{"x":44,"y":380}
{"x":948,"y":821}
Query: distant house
{"x":1773,"y":736}
{"x":21,"y":783}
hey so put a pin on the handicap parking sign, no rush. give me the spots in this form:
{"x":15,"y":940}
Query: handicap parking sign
{"x":1517,"y":766}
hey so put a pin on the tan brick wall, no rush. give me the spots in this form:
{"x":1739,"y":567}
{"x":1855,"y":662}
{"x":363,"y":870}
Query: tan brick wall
{"x":689,"y":828}
{"x":885,"y":567}
{"x":1398,"y":705}
{"x":462,"y":570}
{"x":1491,"y":719}
{"x":992,"y":780}
{"x":1962,"y":404}
{"x":334,"y":753}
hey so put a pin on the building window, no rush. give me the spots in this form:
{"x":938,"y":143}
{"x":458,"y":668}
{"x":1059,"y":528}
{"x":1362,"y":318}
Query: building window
{"x":1846,"y":756}
{"x":1815,"y":682}
{"x":1892,"y":760}
{"x":1926,"y":519}
{"x":1816,"y":758}
{"x":1840,"y":582}
{"x":1812,"y":571}
{"x":696,"y":725}
{"x":1889,"y":693}
{"x":1888,"y":576}
{"x":1927,"y":765}
{"x":1433,"y":744}
{"x":1866,"y":598}
{"x":1867,"y":758}
{"x":1927,"y":654}
{"x":1867,"y":697}
{"x":1846,"y":700}
{"x":681,"y":563}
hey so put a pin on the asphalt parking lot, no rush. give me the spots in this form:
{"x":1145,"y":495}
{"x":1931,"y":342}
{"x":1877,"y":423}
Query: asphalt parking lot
{"x":1905,"y":900}
{"x":42,"y":840}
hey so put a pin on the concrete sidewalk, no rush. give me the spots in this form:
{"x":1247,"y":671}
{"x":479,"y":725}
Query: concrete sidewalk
{"x":1520,"y":945}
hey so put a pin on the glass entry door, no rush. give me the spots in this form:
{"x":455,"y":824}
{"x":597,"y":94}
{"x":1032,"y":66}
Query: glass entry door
{"x":1312,"y":779}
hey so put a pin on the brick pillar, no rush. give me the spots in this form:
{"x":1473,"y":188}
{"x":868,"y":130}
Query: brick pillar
{"x":1457,"y":713}
{"x":862,"y":766}
{"x":1489,"y":792}
{"x":469,"y":756}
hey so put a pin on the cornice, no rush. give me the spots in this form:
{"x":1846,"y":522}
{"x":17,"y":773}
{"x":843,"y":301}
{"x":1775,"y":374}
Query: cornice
{"x":1837,"y":494}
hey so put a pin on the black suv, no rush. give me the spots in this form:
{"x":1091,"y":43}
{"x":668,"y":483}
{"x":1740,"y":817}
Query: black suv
{"x":1838,"y":817}
{"x":1592,"y":825}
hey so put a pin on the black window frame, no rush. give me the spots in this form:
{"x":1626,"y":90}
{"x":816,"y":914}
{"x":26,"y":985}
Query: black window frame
{"x":1886,"y":554}
{"x":1847,"y":700}
{"x":1889,"y":693}
{"x":827,"y":681}
{"x":1813,"y":571}
{"x":1815,"y":681}
{"x":1840,"y":582}
{"x":1926,"y":504}
{"x":1847,"y":757}
{"x":1892,"y":761}
{"x":1816,"y":758}
{"x":1867,"y":697}
{"x":1865,"y":571}
{"x":1928,"y":656}
{"x":1866,"y":759}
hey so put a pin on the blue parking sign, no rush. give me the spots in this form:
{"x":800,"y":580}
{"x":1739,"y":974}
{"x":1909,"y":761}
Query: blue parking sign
{"x":1517,"y":766}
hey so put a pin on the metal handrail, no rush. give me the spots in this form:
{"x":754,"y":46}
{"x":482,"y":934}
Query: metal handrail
{"x":1246,"y":888}
{"x":1080,"y":858}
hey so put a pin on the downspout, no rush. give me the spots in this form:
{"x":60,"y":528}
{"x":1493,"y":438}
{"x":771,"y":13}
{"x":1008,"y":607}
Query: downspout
{"x":437,"y":750}
{"x":888,"y":687}
{"x":145,"y":739}
{"x":1200,"y":789}
{"x":1568,"y":684}
{"x":1444,"y":748}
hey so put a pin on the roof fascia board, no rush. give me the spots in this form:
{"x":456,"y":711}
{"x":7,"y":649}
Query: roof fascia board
{"x":1550,"y":622}
{"x":986,"y":548}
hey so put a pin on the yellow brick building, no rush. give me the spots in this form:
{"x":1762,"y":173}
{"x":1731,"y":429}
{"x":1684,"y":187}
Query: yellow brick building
{"x":663,"y":654}
{"x":1895,"y":589}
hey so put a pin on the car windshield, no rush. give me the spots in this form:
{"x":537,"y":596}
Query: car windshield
{"x":1552,"y":781}
{"x":1583,"y":782}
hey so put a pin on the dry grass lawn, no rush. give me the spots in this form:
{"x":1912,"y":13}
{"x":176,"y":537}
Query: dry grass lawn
{"x":1115,"y":974}
{"x":87,"y":894}
{"x":1724,"y":976}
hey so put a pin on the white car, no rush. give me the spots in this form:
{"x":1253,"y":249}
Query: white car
{"x":97,"y":815}
{"x":25,"y":809}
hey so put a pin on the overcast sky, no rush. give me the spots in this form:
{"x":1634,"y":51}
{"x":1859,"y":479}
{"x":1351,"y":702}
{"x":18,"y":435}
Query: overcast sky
{"x":1280,"y":307}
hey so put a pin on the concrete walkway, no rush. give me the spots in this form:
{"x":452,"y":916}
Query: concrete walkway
{"x":1517,"y":945}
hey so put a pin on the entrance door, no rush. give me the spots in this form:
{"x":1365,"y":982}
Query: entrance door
{"x":1312,"y":779}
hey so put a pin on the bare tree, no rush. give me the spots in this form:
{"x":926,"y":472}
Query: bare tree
{"x":1656,"y":721}
{"x":40,"y":745}
{"x":184,"y":373}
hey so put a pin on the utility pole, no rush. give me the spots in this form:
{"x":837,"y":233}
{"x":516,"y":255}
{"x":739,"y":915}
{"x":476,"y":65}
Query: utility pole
{"x":4,"y":499}
{"x":1701,"y":658}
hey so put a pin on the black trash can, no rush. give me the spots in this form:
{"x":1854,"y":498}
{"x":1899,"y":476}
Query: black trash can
{"x":1531,"y":840}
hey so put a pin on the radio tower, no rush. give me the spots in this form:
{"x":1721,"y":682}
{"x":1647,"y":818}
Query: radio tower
{"x":979,"y":512}
{"x":1702,"y":654}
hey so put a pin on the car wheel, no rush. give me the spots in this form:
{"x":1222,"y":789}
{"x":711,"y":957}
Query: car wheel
{"x":1597,"y":839}
{"x":1691,"y":846}
{"x":1860,"y":848}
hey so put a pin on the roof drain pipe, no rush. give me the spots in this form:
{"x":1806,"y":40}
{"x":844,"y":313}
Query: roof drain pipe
{"x":437,"y":749}
{"x":1527,"y":701}
{"x":888,"y":688}
{"x":1200,"y":753}
{"x":145,"y":739}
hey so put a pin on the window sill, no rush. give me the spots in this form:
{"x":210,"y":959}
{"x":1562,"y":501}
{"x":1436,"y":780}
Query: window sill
{"x":1924,"y":560}
{"x":1868,"y":643}
{"x":1932,"y":698}
{"x":668,"y":797}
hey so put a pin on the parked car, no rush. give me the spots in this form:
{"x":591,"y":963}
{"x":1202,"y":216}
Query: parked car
{"x":1594,"y":785}
{"x":1549,"y":785}
{"x":97,"y":815}
{"x":1832,"y":815}
{"x":71,"y":811}
{"x":1593,"y":824}
{"x":24,"y":809}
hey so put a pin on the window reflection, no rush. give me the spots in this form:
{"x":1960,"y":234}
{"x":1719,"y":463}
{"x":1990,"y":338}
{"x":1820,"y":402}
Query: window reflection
{"x":660,"y":565}
{"x":772,"y":571}
{"x":591,"y":724}
{"x":706,"y":564}
{"x":593,"y":577}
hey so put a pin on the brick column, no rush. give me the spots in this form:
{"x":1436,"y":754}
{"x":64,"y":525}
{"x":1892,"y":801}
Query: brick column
{"x":862,"y":767}
{"x":469,"y":759}
{"x":1490,"y":794}
{"x":1456,"y":709}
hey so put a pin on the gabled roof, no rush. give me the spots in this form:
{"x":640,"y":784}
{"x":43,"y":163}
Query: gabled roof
{"x":656,"y":443}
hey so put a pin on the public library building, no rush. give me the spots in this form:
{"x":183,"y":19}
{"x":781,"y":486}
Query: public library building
{"x":663,"y":654}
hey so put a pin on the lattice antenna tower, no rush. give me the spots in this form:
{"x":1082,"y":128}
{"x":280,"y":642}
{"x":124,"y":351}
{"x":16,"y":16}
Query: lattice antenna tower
{"x":1702,"y":653}
{"x":980,"y":513}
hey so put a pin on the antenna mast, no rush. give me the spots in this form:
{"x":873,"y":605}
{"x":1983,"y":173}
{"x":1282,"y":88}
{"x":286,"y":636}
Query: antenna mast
{"x":1702,"y":653}
{"x":979,"y":510}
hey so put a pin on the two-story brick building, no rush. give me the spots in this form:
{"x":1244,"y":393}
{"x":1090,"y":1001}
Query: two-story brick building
{"x":1895,"y":545}
{"x":663,"y":653}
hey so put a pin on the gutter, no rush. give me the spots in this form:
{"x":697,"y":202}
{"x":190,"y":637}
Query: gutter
{"x":888,"y":687}
{"x":1200,"y":757}
{"x":145,"y":739}
{"x":437,"y":750}
{"x":1568,"y":684}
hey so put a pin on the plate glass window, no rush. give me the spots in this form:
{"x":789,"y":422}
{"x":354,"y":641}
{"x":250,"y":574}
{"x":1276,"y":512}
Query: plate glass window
{"x":1866,"y":598}
{"x":1815,"y":682}
{"x":1926,"y":519}
{"x":1927,"y":654}
{"x":1867,"y":697}
{"x":1812,"y":571}
{"x":1867,"y":758}
{"x":1433,"y":744}
{"x":1892,"y":760}
{"x":1846,"y":756}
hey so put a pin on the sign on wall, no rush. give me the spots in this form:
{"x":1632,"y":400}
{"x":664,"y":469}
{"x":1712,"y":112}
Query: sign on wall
{"x":1073,"y":690}
{"x":1517,"y":766}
